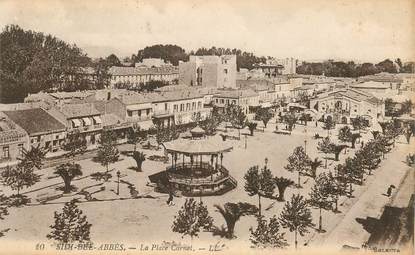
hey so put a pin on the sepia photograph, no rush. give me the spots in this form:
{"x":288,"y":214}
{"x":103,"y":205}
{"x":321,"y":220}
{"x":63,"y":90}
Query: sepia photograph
{"x":207,"y":127}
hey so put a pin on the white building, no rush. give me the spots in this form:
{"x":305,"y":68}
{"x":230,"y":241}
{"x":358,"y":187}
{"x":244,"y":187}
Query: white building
{"x":209,"y":71}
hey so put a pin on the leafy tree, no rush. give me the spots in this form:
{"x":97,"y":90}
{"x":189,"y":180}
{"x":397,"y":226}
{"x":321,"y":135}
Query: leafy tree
{"x":33,"y":62}
{"x":139,"y":158}
{"x":325,"y":145}
{"x":252,"y":126}
{"x":113,"y":60}
{"x":70,"y":225}
{"x":232,"y":212}
{"x":107,"y":150}
{"x":296,"y":216}
{"x":334,"y":188}
{"x":75,"y":144}
{"x":319,"y":195}
{"x":19,"y":177}
{"x":34,"y":157}
{"x":346,"y":135}
{"x":264,"y":115}
{"x":135,"y":135}
{"x":282,"y":184}
{"x":359,"y":123}
{"x":191,"y":218}
{"x":210,"y":124}
{"x":408,"y":134}
{"x":236,"y":117}
{"x":68,"y":172}
{"x":3,"y":208}
{"x":290,"y":120}
{"x":168,"y":52}
{"x":259,"y":183}
{"x":267,"y":234}
{"x":386,"y":66}
{"x":329,"y":124}
{"x":369,"y":157}
{"x":314,"y":164}
{"x":350,"y":172}
{"x":298,"y":162}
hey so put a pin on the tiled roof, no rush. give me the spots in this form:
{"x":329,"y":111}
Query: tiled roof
{"x":119,"y":70}
{"x":9,"y":132}
{"x":79,"y":110}
{"x":237,"y":93}
{"x":355,"y":94}
{"x":370,"y":85}
{"x":35,"y":120}
{"x":68,"y":95}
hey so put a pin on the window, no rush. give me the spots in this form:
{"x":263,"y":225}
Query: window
{"x":139,"y":113}
{"x":148,"y":111}
{"x":175,"y":108}
{"x":225,"y":71}
{"x":129,"y":113}
{"x":165,"y":106}
{"x":193,"y":105}
{"x":199,"y":105}
{"x":217,"y":100}
{"x":222,"y":101}
{"x":20,"y":149}
{"x":6,"y":152}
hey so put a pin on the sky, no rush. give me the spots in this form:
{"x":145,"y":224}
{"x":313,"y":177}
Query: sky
{"x":360,"y":30}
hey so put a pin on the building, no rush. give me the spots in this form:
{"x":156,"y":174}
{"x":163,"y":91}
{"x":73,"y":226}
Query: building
{"x":58,"y":98}
{"x":84,"y":118}
{"x":345,"y":104}
{"x":247,"y":99}
{"x":209,"y":71}
{"x":42,"y":128}
{"x":269,"y":69}
{"x":152,"y":62}
{"x":133,"y":77}
{"x":289,"y":65}
{"x":13,"y":139}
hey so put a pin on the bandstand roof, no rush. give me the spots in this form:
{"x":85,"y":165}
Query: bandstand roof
{"x":197,"y":147}
{"x":197,"y":130}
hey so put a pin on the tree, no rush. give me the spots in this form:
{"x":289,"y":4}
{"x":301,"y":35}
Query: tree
{"x":70,"y":225}
{"x":252,"y":126}
{"x":359,"y":123}
{"x":139,"y":158}
{"x":135,"y":135}
{"x":191,"y":218}
{"x":346,"y":135}
{"x":264,"y":115}
{"x":325,"y":145}
{"x":369,"y":157}
{"x":282,"y":184}
{"x":113,"y":60}
{"x":107,"y":151}
{"x":232,"y":212}
{"x":296,"y":216}
{"x":290,"y":120}
{"x":329,"y":124}
{"x":68,"y":172}
{"x":267,"y":234}
{"x":314,"y":164}
{"x":319,"y":195}
{"x":34,"y":157}
{"x":408,"y":134}
{"x":211,"y":123}
{"x":335,"y":189}
{"x":75,"y":144}
{"x":236,"y":117}
{"x":350,"y":172}
{"x":259,"y":183}
{"x":19,"y":177}
{"x":298,"y":162}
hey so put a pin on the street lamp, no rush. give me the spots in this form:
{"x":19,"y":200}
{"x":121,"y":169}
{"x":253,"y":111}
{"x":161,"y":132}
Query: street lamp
{"x":266,"y":162}
{"x":118,"y":183}
{"x":305,"y":146}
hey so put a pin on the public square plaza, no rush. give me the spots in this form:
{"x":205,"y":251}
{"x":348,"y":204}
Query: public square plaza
{"x":139,"y":214}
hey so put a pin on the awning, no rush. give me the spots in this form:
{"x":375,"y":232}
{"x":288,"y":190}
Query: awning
{"x":87,"y":121}
{"x":97,"y":119}
{"x":76,"y":122}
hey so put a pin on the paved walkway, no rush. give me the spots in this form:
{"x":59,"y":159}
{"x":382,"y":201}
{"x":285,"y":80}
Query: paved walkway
{"x":345,"y":229}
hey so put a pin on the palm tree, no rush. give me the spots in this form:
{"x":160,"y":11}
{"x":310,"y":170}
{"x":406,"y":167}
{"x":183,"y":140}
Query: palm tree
{"x":314,"y":164}
{"x":232,"y":212}
{"x":282,"y":184}
{"x":34,"y":156}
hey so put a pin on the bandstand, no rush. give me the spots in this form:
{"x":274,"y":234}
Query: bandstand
{"x":196,"y":168}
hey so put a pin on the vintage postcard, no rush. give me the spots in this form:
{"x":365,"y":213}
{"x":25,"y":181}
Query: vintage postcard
{"x":207,"y":127}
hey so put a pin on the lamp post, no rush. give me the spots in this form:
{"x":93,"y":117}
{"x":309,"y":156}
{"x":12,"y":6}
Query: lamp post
{"x":305,"y":146}
{"x":266,"y":162}
{"x":118,"y":183}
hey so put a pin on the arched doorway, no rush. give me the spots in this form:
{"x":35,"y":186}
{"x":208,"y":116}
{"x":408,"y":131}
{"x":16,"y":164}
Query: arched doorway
{"x":344,"y":120}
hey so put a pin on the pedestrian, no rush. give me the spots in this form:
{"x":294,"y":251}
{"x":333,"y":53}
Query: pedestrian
{"x":362,"y":143}
{"x":170,"y":200}
{"x":316,"y":123}
{"x":389,"y":192}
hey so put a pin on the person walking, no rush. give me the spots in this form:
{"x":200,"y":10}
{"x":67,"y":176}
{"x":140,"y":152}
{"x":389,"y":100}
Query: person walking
{"x":170,"y":200}
{"x":389,"y":192}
